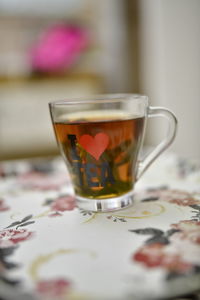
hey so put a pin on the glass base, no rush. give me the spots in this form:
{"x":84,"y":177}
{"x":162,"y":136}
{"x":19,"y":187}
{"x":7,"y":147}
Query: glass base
{"x":105,"y":205}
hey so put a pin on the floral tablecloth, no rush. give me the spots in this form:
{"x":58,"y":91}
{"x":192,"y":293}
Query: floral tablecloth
{"x":50,"y":249}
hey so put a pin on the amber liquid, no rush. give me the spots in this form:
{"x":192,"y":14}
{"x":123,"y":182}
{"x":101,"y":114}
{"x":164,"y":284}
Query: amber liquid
{"x":112,"y":173}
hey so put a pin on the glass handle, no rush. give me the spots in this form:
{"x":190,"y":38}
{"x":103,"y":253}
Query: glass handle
{"x":166,"y":142}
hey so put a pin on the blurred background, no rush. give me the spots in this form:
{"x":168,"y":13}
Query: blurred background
{"x":52,"y":50}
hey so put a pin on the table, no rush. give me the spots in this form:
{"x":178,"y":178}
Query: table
{"x":50,"y":249}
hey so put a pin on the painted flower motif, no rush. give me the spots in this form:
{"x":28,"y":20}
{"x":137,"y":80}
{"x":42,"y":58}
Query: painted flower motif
{"x":59,"y":47}
{"x":11,"y":237}
{"x":189,"y":230}
{"x":3,"y":206}
{"x":181,"y":198}
{"x":63,"y":203}
{"x":41,"y":181}
{"x":153,"y":256}
{"x":53,"y":288}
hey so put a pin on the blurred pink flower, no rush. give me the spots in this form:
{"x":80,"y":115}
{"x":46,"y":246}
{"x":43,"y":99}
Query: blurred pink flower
{"x":178,"y":197}
{"x":64,"y":203}
{"x":59,"y":48}
{"x":154,"y":256}
{"x":11,"y":237}
{"x":3,"y":206}
{"x":53,"y":288}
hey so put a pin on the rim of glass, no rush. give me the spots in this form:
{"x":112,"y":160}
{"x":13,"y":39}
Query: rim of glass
{"x":100,"y":98}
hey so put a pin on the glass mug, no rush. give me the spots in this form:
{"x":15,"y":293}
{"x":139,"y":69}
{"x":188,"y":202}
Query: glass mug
{"x":100,"y":139}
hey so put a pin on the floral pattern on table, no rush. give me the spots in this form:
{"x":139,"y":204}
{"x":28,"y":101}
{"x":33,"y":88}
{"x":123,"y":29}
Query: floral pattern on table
{"x":54,"y":250}
{"x":167,"y":249}
{"x":60,"y":204}
{"x":11,"y":238}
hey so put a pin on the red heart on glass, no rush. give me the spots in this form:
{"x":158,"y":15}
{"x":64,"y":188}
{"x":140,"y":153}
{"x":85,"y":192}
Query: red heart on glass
{"x":94,"y":145}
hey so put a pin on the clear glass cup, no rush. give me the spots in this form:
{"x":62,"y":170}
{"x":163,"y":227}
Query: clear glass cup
{"x":100,"y":139}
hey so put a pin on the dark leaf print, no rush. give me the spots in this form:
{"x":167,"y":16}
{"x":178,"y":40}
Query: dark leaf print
{"x":7,"y":251}
{"x":48,"y":202}
{"x":122,"y":220}
{"x":85,"y":212}
{"x":195,"y":206}
{"x":21,"y":223}
{"x":26,"y":218}
{"x":9,"y":265}
{"x":162,"y":187}
{"x":25,"y":224}
{"x":196,"y":217}
{"x":9,"y":281}
{"x":173,"y":275}
{"x":115,"y":219}
{"x":13,"y":224}
{"x":158,"y":236}
{"x":150,"y":199}
{"x":148,"y":231}
{"x":4,"y":252}
{"x":160,"y":239}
